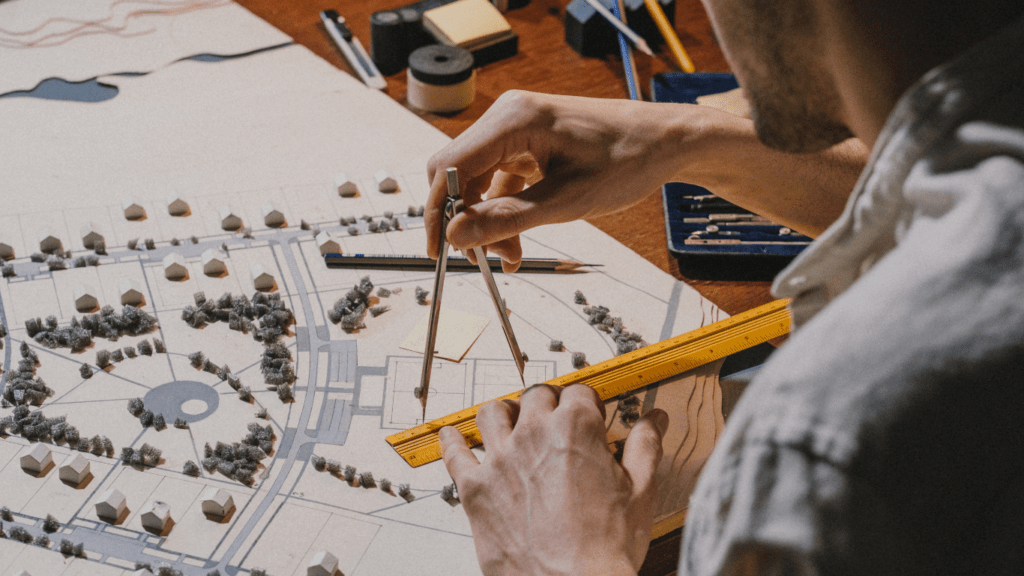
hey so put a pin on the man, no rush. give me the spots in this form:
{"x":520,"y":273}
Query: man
{"x":886,"y":436}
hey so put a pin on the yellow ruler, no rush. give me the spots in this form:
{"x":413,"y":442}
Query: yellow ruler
{"x":621,"y":374}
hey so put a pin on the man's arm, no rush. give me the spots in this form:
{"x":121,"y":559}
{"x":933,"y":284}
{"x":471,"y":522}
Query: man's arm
{"x":587,"y":157}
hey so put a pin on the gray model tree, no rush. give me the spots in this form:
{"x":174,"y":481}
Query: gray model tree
{"x":136,"y":406}
{"x":191,"y":469}
{"x":85,"y":371}
{"x":50,"y":524}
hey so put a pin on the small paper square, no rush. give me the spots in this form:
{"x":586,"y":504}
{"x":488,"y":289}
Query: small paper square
{"x":456,"y":333}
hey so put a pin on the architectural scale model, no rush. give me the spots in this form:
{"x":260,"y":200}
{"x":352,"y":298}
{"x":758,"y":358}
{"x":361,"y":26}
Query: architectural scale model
{"x":229,"y":418}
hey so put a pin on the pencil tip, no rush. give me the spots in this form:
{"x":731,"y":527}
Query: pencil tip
{"x":643,"y":47}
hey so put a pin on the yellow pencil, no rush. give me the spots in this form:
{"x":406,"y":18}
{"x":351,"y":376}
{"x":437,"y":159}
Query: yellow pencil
{"x":682,"y":58}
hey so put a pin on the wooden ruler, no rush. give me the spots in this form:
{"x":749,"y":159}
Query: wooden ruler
{"x":621,"y":374}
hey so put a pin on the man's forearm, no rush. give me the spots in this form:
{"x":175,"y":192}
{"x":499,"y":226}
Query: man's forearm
{"x":805,"y":192}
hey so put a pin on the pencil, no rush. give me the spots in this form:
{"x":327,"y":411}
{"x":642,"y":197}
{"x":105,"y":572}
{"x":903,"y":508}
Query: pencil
{"x":626,"y":31}
{"x":669,"y":33}
{"x":400,"y":262}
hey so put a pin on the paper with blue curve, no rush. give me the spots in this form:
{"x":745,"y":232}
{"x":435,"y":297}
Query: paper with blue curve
{"x":276,"y":128}
{"x":80,"y":40}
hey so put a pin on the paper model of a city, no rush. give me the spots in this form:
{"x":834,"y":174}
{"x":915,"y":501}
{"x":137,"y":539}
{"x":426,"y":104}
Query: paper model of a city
{"x":182,"y":392}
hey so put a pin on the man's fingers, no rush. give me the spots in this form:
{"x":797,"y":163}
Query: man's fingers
{"x":642,"y":453}
{"x":495,"y":420}
{"x":583,"y":394}
{"x":458,"y":458}
{"x":538,"y":400}
{"x":496,"y":219}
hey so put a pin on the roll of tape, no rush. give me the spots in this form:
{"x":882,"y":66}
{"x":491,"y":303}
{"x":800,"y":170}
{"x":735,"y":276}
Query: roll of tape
{"x":387,"y":42}
{"x":441,"y":79}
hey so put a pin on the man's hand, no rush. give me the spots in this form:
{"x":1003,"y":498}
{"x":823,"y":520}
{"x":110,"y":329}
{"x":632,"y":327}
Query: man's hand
{"x":549,"y":497}
{"x":581,"y":156}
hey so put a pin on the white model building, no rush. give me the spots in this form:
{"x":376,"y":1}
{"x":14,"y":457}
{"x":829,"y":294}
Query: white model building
{"x":174,"y":267}
{"x":90,"y":236}
{"x":155,"y":516}
{"x":272,"y":217}
{"x":74,"y":469}
{"x":175,"y":205}
{"x":326,"y":244}
{"x":217,"y":502}
{"x":36,"y":458}
{"x":48,"y":243}
{"x":85,"y":298}
{"x":132,"y":209}
{"x":385,"y":183}
{"x":131,"y":295}
{"x":228,"y":219}
{"x":6,"y":251}
{"x":346,"y":187}
{"x":261,"y":279}
{"x":323,"y":564}
{"x":111,"y":505}
{"x":213,"y":263}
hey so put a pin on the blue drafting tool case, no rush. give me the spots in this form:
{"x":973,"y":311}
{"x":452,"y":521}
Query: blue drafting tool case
{"x":709,"y":236}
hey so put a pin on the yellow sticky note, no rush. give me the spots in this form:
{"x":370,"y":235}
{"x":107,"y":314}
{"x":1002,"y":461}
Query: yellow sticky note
{"x":456,"y":333}
{"x":466,"y":23}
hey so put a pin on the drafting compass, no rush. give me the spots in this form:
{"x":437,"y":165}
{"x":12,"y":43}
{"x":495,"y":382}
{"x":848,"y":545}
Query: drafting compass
{"x":453,"y":206}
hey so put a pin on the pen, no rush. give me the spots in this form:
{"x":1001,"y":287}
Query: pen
{"x":400,"y":262}
{"x":352,"y":49}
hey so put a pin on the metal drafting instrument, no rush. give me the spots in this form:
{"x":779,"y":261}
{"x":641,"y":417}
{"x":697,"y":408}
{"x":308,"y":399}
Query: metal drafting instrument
{"x":352,"y":49}
{"x":620,"y":374}
{"x":405,"y":262}
{"x":453,"y":206}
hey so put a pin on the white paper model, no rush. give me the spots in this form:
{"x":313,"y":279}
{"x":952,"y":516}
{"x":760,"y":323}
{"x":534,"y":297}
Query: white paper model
{"x":174,"y":267}
{"x":326,"y":244}
{"x":6,"y":251}
{"x":155,"y":516}
{"x":346,"y":187}
{"x":228,"y":219}
{"x":130,"y":294}
{"x":85,"y":298}
{"x":323,"y":564}
{"x":385,"y":183}
{"x":272,"y":217}
{"x":36,"y":458}
{"x":132,"y":209}
{"x":48,"y":243}
{"x":74,"y":469}
{"x":213,"y":262}
{"x":217,"y":502}
{"x":111,"y":505}
{"x":90,"y":235}
{"x":262,"y":280}
{"x":175,"y":205}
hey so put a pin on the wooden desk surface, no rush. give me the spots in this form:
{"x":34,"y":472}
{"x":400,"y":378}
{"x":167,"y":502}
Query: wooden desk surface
{"x":545,"y":63}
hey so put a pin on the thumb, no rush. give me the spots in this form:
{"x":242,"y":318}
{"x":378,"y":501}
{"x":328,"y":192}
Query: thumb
{"x":642,"y":453}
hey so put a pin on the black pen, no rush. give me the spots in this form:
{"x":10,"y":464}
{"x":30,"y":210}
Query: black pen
{"x":401,"y":262}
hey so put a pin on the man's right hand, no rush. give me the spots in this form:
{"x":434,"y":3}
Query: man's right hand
{"x":580,"y":156}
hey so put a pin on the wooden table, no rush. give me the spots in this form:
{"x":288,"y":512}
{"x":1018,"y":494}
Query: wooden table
{"x":545,"y":63}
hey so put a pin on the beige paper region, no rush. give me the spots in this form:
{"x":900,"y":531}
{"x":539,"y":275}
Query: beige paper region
{"x":128,"y":37}
{"x":456,"y":332}
{"x":277,"y":127}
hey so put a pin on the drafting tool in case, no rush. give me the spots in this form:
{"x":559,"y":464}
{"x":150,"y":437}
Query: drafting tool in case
{"x":621,"y":374}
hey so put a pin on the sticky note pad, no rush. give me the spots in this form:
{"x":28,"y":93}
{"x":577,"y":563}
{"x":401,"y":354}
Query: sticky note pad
{"x":456,"y":333}
{"x":468,"y":24}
